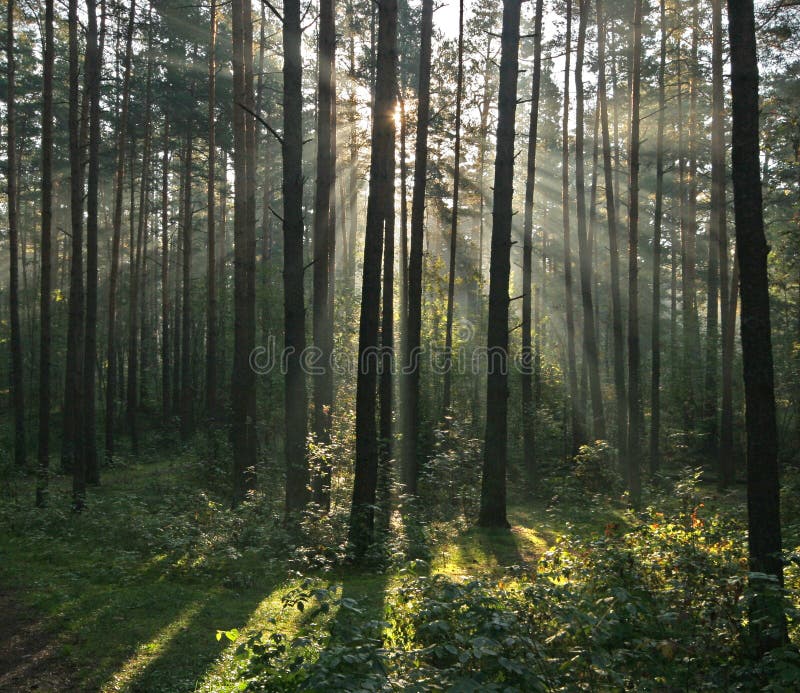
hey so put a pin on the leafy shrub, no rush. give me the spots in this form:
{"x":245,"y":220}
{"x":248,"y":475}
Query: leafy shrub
{"x":661,"y":607}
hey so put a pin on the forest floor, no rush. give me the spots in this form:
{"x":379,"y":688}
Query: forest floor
{"x":130,"y":595}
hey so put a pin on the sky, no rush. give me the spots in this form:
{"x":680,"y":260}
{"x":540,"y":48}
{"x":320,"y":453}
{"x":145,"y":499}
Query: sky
{"x":446,"y":16}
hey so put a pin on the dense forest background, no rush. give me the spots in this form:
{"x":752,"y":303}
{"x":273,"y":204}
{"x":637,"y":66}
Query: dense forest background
{"x":355,"y":276}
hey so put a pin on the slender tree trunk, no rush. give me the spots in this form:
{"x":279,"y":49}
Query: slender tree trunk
{"x":728,"y":290}
{"x":387,"y":341}
{"x":93,"y":62}
{"x":113,"y":281}
{"x":186,"y":290}
{"x":576,"y":410}
{"x":591,"y":358}
{"x":20,"y":452}
{"x":611,"y":212}
{"x":243,"y":390}
{"x":413,"y":328}
{"x":211,"y":302}
{"x":294,"y":308}
{"x":763,"y":491}
{"x":691,"y":327}
{"x":324,"y":239}
{"x":166,"y":387}
{"x":528,"y":410}
{"x":135,"y":347}
{"x":495,"y":454}
{"x":71,"y":456}
{"x":451,"y":281}
{"x":380,"y":201}
{"x":403,"y":215}
{"x":658,"y":217}
{"x":484,"y":136}
{"x":718,"y":241}
{"x":45,"y":300}
{"x":635,"y":423}
{"x":727,"y":467}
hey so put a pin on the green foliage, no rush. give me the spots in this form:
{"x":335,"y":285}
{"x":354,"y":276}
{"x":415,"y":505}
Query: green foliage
{"x":450,"y":480}
{"x":663,"y":606}
{"x":595,"y":468}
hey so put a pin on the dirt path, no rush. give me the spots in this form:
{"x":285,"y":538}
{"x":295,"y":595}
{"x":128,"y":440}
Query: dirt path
{"x":29,"y":659}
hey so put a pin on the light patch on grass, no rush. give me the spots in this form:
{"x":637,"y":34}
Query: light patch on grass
{"x":223,"y":675}
{"x":148,"y":651}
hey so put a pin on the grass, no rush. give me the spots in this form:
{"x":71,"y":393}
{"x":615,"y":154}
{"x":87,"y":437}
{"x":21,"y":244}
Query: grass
{"x":135,"y":588}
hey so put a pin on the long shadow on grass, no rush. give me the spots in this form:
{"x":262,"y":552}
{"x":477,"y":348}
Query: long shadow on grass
{"x":362,"y":602}
{"x":180,"y":654}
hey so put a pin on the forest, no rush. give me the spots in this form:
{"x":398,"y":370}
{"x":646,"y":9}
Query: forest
{"x":399,"y":345}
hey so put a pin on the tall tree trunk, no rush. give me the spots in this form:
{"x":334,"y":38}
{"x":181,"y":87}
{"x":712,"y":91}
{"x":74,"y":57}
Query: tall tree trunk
{"x":484,"y":137}
{"x":387,"y":345}
{"x":718,"y":235}
{"x":20,"y":453}
{"x":324,"y":239}
{"x":413,"y":328}
{"x":658,"y":216}
{"x":528,"y":410}
{"x":186,"y":394}
{"x":451,"y":280}
{"x":93,"y":60}
{"x":403,"y":215}
{"x":727,"y":467}
{"x":243,"y":386}
{"x":763,"y":491}
{"x":380,"y":201}
{"x":635,"y":423}
{"x":71,"y":457}
{"x":691,"y":327}
{"x":45,"y":300}
{"x":728,"y":290}
{"x":611,"y":213}
{"x":590,"y":351}
{"x":113,"y":281}
{"x":495,"y":454}
{"x":134,"y":345}
{"x":576,"y":409}
{"x":294,"y":309}
{"x":166,"y":387}
{"x":211,"y":300}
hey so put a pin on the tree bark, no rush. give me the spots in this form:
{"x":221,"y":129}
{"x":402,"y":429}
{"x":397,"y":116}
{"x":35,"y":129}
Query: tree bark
{"x":71,"y":457}
{"x":451,"y":280}
{"x":18,"y":396}
{"x":528,"y":409}
{"x":166,"y":387}
{"x":590,"y":351}
{"x":294,"y":308}
{"x":413,"y":328}
{"x":211,"y":300}
{"x":45,"y":300}
{"x":576,"y":409}
{"x":379,"y":204}
{"x":93,"y":66}
{"x":113,"y":281}
{"x":135,"y":348}
{"x":658,"y":215}
{"x":186,"y":292}
{"x":763,"y":491}
{"x":324,"y":248}
{"x":613,"y":247}
{"x":718,"y":236}
{"x":495,"y":454}
{"x":243,"y":390}
{"x":635,"y":423}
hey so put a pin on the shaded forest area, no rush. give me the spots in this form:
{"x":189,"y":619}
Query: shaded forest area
{"x":387,"y":345}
